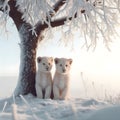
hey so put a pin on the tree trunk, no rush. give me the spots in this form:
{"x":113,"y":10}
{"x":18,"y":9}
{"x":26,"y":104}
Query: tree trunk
{"x":28,"y":46}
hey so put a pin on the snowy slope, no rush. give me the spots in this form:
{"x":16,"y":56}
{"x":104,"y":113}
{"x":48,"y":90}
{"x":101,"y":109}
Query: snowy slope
{"x":31,"y":108}
{"x":109,"y":113}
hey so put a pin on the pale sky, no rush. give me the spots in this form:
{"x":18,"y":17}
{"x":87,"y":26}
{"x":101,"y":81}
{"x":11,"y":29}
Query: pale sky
{"x":99,"y":68}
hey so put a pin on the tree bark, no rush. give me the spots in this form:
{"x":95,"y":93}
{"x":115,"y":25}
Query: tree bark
{"x":28,"y":47}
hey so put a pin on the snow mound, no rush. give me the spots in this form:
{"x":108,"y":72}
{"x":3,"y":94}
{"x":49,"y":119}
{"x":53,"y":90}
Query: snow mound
{"x":91,"y":102}
{"x":109,"y":113}
{"x":31,"y":108}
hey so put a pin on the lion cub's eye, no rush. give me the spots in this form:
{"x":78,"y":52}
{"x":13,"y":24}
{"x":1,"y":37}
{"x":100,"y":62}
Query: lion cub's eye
{"x":43,"y":63}
{"x":61,"y":65}
{"x":66,"y":65}
{"x":48,"y":63}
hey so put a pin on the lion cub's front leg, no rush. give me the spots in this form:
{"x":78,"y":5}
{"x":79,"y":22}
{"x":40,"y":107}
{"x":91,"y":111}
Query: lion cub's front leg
{"x":64,"y":94}
{"x":56,"y":92}
{"x":39,"y":91}
{"x":48,"y":92}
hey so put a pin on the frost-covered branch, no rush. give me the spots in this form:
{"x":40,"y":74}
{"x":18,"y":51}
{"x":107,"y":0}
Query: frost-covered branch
{"x":102,"y":15}
{"x":5,"y":8}
{"x":55,"y":9}
{"x":4,"y":14}
{"x":5,"y":104}
{"x":97,"y":21}
{"x":1,"y":4}
{"x":15,"y":14}
{"x":9,"y":9}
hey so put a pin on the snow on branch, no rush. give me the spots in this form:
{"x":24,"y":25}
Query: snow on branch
{"x":95,"y":19}
{"x":35,"y":10}
{"x":5,"y":104}
{"x":4,"y":14}
{"x":5,"y":8}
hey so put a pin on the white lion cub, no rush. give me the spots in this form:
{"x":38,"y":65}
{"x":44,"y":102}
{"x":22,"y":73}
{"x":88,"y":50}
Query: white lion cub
{"x":43,"y":83}
{"x":61,"y":78}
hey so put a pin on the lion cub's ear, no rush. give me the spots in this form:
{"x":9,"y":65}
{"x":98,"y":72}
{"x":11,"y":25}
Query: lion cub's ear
{"x":56,"y":60}
{"x":39,"y":59}
{"x":70,"y":61}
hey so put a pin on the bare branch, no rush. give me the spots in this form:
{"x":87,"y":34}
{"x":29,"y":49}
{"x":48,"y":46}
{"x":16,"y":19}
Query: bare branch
{"x":60,"y":22}
{"x":57,"y":6}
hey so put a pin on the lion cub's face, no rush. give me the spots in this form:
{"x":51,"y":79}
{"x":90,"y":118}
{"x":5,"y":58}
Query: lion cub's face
{"x":63,"y":65}
{"x":45,"y":63}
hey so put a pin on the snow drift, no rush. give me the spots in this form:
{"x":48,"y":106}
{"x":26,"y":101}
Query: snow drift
{"x":32,"y":108}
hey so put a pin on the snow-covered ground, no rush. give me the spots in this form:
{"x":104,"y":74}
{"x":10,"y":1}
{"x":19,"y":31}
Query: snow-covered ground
{"x":32,"y":108}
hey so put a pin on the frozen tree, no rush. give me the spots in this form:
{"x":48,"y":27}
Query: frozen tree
{"x":94,"y":18}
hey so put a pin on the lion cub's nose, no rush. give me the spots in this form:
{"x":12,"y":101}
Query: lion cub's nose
{"x":64,"y":70}
{"x":47,"y":68}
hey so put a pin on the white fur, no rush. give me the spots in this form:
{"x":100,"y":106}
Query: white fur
{"x":44,"y":77}
{"x":61,"y":78}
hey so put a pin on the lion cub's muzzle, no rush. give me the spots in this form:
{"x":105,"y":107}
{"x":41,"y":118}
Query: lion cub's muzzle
{"x":47,"y":68}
